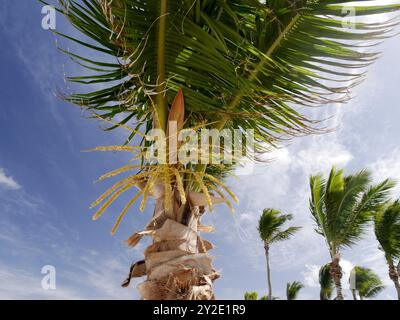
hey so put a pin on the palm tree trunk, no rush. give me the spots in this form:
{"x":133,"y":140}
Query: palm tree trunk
{"x":269,"y":295}
{"x":394,"y":275}
{"x":354,"y":292}
{"x":336,"y":272}
{"x":176,"y":264}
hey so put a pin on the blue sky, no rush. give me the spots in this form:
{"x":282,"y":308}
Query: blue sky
{"x":47,"y":183}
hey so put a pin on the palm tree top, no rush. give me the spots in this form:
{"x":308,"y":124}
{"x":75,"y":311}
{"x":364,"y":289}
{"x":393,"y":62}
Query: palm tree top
{"x":293,"y":289}
{"x":367,"y":282}
{"x":342,"y":205}
{"x":326,"y":282}
{"x":240,"y":63}
{"x":270,"y":226}
{"x":387,"y":229}
{"x":252,"y":295}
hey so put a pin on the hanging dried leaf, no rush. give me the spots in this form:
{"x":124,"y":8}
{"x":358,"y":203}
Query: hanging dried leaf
{"x":206,"y":229}
{"x":136,"y":270}
{"x":134,"y":240}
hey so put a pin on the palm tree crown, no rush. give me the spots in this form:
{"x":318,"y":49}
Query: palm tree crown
{"x":366,"y":282}
{"x":240,"y":63}
{"x":387,"y":229}
{"x":387,"y":232}
{"x":270,"y":226}
{"x":251,"y":295}
{"x":293,"y":289}
{"x":342,"y":205}
{"x":325,"y":282}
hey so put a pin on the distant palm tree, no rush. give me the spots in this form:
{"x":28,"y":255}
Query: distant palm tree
{"x":387,"y":231}
{"x":342,"y":206}
{"x":251,"y":295}
{"x":270,"y":229}
{"x":293,"y":289}
{"x":365,"y":282}
{"x":326,"y":282}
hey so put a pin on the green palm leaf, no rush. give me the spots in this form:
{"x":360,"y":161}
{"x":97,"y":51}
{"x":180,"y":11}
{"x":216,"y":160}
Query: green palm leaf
{"x":342,"y":205}
{"x":251,"y":295}
{"x":387,"y":229}
{"x":293,"y":289}
{"x":270,"y":226}
{"x":367,"y":282}
{"x":326,"y":282}
{"x":241,"y":63}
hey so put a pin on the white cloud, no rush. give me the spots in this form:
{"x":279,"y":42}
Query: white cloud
{"x":322,"y":154}
{"x":347,"y":266}
{"x":311,"y":275}
{"x":82,"y":272}
{"x":388,"y":167}
{"x":7,"y":181}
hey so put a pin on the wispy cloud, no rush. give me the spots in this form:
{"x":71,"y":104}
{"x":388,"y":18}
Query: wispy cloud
{"x":26,"y":284}
{"x":388,"y":166}
{"x":83,"y":272}
{"x":8,"y":181}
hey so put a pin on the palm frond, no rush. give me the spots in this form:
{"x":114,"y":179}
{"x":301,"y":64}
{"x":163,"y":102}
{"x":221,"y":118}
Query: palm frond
{"x":285,"y":234}
{"x":387,"y":229}
{"x":242,"y":63}
{"x":343,"y":205}
{"x":318,"y":188}
{"x":367,"y":282}
{"x":361,"y":211}
{"x":251,"y":295}
{"x":293,"y":289}
{"x":326,"y":282}
{"x":270,"y":226}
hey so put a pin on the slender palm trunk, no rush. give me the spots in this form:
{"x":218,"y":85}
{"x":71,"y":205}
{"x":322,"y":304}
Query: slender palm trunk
{"x":269,"y":294}
{"x":394,"y":275}
{"x":354,"y":292}
{"x":336,"y":272}
{"x":176,"y":264}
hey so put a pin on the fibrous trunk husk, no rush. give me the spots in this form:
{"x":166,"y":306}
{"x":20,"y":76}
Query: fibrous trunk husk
{"x":177,"y":265}
{"x":337,"y":274}
{"x":394,"y":276}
